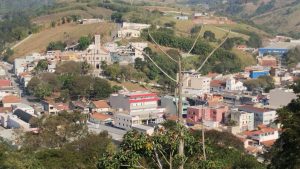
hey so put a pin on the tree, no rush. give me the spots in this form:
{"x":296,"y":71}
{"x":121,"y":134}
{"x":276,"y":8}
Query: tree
{"x":160,"y":150}
{"x":264,"y":82}
{"x":41,"y":66}
{"x":85,"y":68}
{"x":42,"y":90}
{"x":55,"y":131}
{"x":116,"y":88}
{"x":84,"y":42}
{"x":8,"y":53}
{"x":195,"y":30}
{"x":69,"y":67}
{"x":209,"y":35}
{"x":53,"y":24}
{"x":112,"y":71}
{"x":170,"y":24}
{"x":117,"y":17}
{"x":292,"y":58}
{"x":58,"y":45}
{"x":254,"y":40}
{"x":101,"y":89}
{"x":285,"y":151}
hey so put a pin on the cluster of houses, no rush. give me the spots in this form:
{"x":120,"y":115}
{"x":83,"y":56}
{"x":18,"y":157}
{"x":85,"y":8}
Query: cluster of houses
{"x":94,"y":55}
{"x":213,"y":101}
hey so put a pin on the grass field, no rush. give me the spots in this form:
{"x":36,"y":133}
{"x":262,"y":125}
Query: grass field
{"x":79,"y":10}
{"x":66,"y":33}
{"x":246,"y":58}
{"x":129,"y":86}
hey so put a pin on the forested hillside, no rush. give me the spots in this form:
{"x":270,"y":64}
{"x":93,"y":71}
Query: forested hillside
{"x":17,"y":5}
{"x":274,"y":16}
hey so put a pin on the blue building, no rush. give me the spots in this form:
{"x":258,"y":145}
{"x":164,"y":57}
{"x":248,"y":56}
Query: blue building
{"x":272,"y":51}
{"x":278,"y":48}
{"x":254,"y":74}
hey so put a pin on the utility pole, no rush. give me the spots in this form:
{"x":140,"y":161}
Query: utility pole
{"x":180,"y":83}
{"x":203,"y":132}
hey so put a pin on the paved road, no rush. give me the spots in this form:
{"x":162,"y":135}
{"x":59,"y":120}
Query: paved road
{"x":8,"y":70}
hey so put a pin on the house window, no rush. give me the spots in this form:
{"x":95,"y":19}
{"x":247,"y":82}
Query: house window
{"x":189,"y":83}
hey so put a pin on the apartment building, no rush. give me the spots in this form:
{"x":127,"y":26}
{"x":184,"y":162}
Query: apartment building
{"x":244,"y":120}
{"x":195,"y":84}
{"x":261,"y":115}
{"x":203,"y":113}
{"x":136,"y":108}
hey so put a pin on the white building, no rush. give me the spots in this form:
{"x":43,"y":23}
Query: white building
{"x":136,"y":108}
{"x":95,"y":54}
{"x":244,"y":120}
{"x":264,"y":135}
{"x":90,"y":21}
{"x":26,"y":108}
{"x":126,"y":121}
{"x":143,"y":129}
{"x":129,"y":33}
{"x":234,"y":85}
{"x":196,"y":84}
{"x":14,"y":122}
{"x":262,"y":116}
{"x":24,"y":80}
{"x":127,"y":54}
{"x":26,"y":64}
{"x":136,"y":26}
{"x":180,"y":17}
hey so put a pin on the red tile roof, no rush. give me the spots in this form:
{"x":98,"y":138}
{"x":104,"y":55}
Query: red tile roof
{"x":5,"y":83}
{"x":212,"y":75}
{"x":252,"y":108}
{"x":11,"y":99}
{"x":61,"y":106}
{"x":217,"y":83}
{"x":100,"y":116}
{"x":261,"y":131}
{"x":268,"y":143}
{"x":5,"y":109}
{"x":101,"y":104}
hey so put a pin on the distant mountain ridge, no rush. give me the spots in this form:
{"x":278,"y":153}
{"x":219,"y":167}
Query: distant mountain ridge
{"x":22,"y":5}
{"x":274,"y":16}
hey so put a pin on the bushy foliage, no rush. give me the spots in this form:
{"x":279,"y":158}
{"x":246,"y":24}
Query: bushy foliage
{"x":14,"y":27}
{"x":264,"y":82}
{"x":71,"y":81}
{"x":58,"y":45}
{"x":292,"y":58}
{"x":84,"y":42}
{"x":161,"y":150}
{"x":285,"y":152}
{"x":61,"y":142}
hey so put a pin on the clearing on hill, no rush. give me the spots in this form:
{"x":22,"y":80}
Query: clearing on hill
{"x":69,"y":33}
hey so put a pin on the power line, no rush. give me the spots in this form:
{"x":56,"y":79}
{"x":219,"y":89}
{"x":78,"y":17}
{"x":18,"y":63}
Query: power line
{"x":144,"y":53}
{"x":161,"y":48}
{"x":196,"y":40}
{"x":211,"y":53}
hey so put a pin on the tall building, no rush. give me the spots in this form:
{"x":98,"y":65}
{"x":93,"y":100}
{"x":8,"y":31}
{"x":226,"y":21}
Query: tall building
{"x":95,"y":54}
{"x":244,"y":120}
{"x":135,"y":108}
{"x":170,"y":103}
